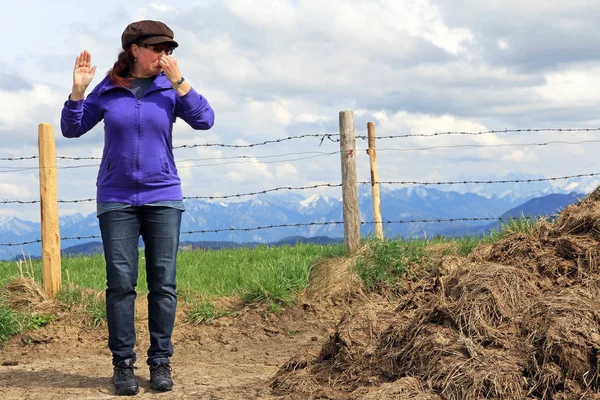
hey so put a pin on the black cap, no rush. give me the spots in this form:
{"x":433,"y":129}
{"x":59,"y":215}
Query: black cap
{"x":150,"y":32}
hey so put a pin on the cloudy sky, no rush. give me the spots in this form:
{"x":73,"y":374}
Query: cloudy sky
{"x":278,"y":68}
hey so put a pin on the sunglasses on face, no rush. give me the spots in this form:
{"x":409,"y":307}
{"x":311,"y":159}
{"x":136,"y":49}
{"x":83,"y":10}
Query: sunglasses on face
{"x":159,"y":48}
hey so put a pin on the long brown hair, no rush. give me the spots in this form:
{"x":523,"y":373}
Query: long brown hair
{"x":121,"y":71}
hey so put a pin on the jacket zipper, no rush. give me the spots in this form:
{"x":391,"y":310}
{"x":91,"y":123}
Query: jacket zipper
{"x":137,"y":153}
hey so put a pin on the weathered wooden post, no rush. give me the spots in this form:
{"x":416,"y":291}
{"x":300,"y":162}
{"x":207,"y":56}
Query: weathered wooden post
{"x":51,"y":268}
{"x":349,"y":182}
{"x":375,"y":182}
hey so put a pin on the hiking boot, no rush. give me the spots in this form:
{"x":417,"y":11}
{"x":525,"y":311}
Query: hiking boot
{"x":160,"y":377}
{"x":124,"y":379}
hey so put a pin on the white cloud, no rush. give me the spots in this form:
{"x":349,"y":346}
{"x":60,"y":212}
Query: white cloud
{"x":575,"y":86}
{"x":15,"y":191}
{"x":164,"y":8}
{"x":311,"y":118}
{"x":273,"y":14}
{"x":518,"y":156}
{"x":253,"y":171}
{"x":286,"y":172}
{"x":19,"y":108}
{"x":503,"y":44}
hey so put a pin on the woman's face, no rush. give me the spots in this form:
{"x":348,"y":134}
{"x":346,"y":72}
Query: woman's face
{"x":148,"y":56}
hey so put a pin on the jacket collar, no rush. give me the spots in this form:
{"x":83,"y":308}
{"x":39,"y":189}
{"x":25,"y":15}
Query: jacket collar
{"x":160,"y":82}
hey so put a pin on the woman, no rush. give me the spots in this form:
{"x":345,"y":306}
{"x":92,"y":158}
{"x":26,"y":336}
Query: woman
{"x":138,"y":189}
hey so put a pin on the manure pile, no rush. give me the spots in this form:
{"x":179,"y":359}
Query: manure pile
{"x":518,"y":319}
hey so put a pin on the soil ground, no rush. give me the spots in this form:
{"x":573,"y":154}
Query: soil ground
{"x":233,"y":358}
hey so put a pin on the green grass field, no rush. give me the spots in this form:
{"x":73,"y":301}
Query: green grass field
{"x":264,"y":274}
{"x":253,"y":273}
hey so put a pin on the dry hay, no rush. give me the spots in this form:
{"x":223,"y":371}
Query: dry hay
{"x":482,"y":301}
{"x":517,"y":319}
{"x":549,"y":252}
{"x":518,"y":249}
{"x":567,"y":248}
{"x":564,"y":328}
{"x":581,"y":218}
{"x":349,"y":351}
{"x":347,"y":355}
{"x":439,"y":250}
{"x":26,"y":292}
{"x":448,"y":264}
{"x":294,"y":376}
{"x":463,"y":341}
{"x":455,"y":366}
{"x":408,"y":388}
{"x":333,"y":279}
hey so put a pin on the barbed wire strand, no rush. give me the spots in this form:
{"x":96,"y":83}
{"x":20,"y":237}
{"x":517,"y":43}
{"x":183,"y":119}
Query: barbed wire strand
{"x":320,"y":185}
{"x":319,"y":154}
{"x":57,"y":168}
{"x":266,"y":142}
{"x":536,"y":130}
{"x":467,"y":182}
{"x":404,"y":221}
{"x":331,"y":137}
{"x":18,"y":158}
{"x":257,"y":157}
{"x":490,"y":145}
{"x":202,"y":159}
{"x":261,"y":162}
{"x":334,"y":185}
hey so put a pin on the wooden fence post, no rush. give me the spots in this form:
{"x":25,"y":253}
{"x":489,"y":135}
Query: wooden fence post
{"x":51,"y":268}
{"x":349,"y":182}
{"x":375,"y":182}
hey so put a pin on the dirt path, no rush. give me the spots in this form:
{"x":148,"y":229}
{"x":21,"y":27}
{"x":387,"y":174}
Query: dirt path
{"x":232,"y":359}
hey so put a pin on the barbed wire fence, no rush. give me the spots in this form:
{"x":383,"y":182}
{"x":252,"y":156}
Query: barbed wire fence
{"x":299,"y":156}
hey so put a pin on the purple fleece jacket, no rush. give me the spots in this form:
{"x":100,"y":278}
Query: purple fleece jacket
{"x":137,"y":166}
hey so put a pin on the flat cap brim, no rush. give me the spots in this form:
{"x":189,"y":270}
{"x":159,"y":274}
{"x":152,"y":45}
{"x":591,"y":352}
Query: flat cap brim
{"x":159,"y":39}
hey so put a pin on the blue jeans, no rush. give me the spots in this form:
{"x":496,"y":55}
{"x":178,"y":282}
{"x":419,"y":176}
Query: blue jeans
{"x":121,"y":230}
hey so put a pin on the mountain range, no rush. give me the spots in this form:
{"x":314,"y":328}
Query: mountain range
{"x":234,"y":221}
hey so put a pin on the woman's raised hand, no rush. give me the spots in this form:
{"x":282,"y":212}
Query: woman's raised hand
{"x":83,"y":73}
{"x":170,"y":67}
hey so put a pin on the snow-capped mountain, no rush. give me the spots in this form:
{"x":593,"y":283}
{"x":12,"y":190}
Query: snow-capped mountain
{"x":15,"y":230}
{"x":14,"y":225}
{"x":519,"y":193}
{"x":71,"y":219}
{"x":316,"y":204}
